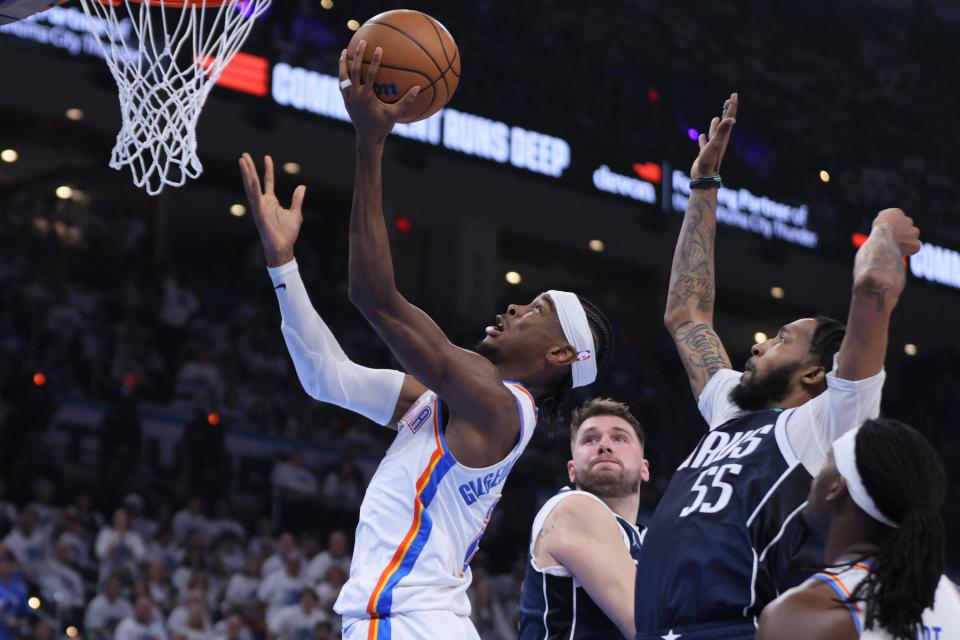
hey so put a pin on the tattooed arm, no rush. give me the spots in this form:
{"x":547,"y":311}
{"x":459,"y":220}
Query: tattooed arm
{"x":878,"y":281}
{"x":690,"y":299}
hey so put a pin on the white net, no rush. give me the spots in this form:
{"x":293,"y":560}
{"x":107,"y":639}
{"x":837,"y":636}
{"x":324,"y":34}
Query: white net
{"x":166,"y":56}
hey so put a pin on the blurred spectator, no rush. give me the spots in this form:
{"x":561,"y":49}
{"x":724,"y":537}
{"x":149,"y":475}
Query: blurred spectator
{"x":190,"y":617}
{"x":231,"y":628}
{"x":299,"y":620}
{"x":160,"y":589}
{"x":223,"y":521}
{"x":28,"y":544}
{"x":242,"y":590}
{"x":106,"y":611}
{"x":13,"y":597}
{"x":189,"y":519}
{"x":61,"y":581}
{"x":8,"y":510}
{"x":164,"y":549}
{"x":142,"y":625}
{"x":285,"y":546}
{"x":294,"y":492}
{"x":486,"y":611}
{"x":43,"y":491}
{"x":118,"y":548}
{"x":283,"y":588}
{"x":337,"y":553}
{"x":343,"y":487}
{"x":196,"y":626}
{"x":328,"y":590}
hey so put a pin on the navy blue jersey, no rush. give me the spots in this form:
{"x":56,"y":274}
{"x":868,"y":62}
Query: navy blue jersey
{"x":726,"y":527}
{"x":553,"y":605}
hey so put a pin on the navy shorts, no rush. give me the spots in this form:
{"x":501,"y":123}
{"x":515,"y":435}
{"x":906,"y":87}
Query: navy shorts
{"x":709,"y":631}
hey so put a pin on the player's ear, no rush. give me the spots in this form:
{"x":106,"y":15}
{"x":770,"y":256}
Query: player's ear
{"x":837,"y":491}
{"x":814,"y":376}
{"x":645,"y":471}
{"x":561,"y":354}
{"x":571,"y":473}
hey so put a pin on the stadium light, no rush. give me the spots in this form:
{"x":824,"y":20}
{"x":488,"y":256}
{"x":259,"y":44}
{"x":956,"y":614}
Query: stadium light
{"x":759,"y":337}
{"x":75,"y":114}
{"x":513,"y":277}
{"x":597,"y":245}
{"x":910,"y":349}
{"x":777,"y":292}
{"x":9,"y":155}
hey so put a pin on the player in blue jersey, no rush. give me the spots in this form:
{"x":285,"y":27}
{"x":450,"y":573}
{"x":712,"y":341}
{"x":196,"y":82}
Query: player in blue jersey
{"x":728,"y":524}
{"x":877,"y":503}
{"x":585,"y":543}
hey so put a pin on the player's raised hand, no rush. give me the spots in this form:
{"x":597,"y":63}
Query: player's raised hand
{"x":278,"y":226}
{"x":372,"y":118}
{"x":904,"y":231}
{"x":713,"y":144}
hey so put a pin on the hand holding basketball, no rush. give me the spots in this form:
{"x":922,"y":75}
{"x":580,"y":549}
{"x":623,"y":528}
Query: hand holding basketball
{"x":372,"y":118}
{"x":278,"y":227}
{"x":714,"y":144}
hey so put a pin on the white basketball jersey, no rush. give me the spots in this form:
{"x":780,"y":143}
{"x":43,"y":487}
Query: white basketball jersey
{"x":942,"y":622}
{"x":422,"y":518}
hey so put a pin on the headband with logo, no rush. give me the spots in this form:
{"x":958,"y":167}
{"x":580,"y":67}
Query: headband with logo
{"x":576,"y":329}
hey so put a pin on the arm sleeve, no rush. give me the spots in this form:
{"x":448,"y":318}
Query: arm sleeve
{"x":845,"y":405}
{"x":714,"y":403}
{"x":325,"y":371}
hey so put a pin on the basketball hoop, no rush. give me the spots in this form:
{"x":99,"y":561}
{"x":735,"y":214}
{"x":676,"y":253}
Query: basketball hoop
{"x":165,"y":56}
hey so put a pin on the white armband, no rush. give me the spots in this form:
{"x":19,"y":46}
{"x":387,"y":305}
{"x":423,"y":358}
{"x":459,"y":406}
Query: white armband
{"x":325,"y":371}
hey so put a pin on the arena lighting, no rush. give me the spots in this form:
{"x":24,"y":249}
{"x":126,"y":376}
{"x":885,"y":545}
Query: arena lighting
{"x":237,"y":210}
{"x":9,"y":155}
{"x":597,"y":245}
{"x":402,"y":224}
{"x":64,"y":192}
{"x":326,"y":4}
{"x":291,"y":168}
{"x":910,"y":349}
{"x":34,"y":602}
{"x":39,"y":379}
{"x":777,"y":292}
{"x":692,"y":133}
{"x":653,"y":95}
{"x":824,"y":176}
{"x":759,"y":337}
{"x":513,"y":277}
{"x":213,"y":418}
{"x":75,"y":114}
{"x":353,"y":25}
{"x":71,"y":632}
{"x":245,"y":73}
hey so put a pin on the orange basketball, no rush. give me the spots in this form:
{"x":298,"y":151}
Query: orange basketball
{"x":417,"y":50}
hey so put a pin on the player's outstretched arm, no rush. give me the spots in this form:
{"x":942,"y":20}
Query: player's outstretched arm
{"x":324,"y":370}
{"x":690,"y":298}
{"x":468,"y":382}
{"x":878,"y":280}
{"x":580,"y":535}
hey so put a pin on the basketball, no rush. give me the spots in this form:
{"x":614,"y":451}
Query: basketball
{"x":417,"y":50}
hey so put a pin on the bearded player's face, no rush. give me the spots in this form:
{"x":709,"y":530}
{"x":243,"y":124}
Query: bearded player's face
{"x":608,"y":458}
{"x":776,"y":367}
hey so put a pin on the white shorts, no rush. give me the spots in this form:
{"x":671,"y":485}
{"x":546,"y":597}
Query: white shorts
{"x":415,"y":625}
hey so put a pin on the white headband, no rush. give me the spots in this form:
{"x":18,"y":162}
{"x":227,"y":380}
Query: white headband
{"x":576,"y":329}
{"x":844,"y":454}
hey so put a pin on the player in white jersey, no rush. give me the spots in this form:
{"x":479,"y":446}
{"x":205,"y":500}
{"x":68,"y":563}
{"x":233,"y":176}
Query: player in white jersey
{"x":877,"y":501}
{"x":462,"y":417}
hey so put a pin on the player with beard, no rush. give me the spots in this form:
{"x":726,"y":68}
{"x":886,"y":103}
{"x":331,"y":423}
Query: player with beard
{"x":585,"y":542}
{"x":462,"y":418}
{"x":728,"y":524}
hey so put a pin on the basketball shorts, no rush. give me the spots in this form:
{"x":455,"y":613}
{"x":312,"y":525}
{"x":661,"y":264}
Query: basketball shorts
{"x":415,"y":625}
{"x":709,"y":631}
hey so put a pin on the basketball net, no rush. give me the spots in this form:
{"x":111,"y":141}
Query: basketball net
{"x":165,"y":56}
